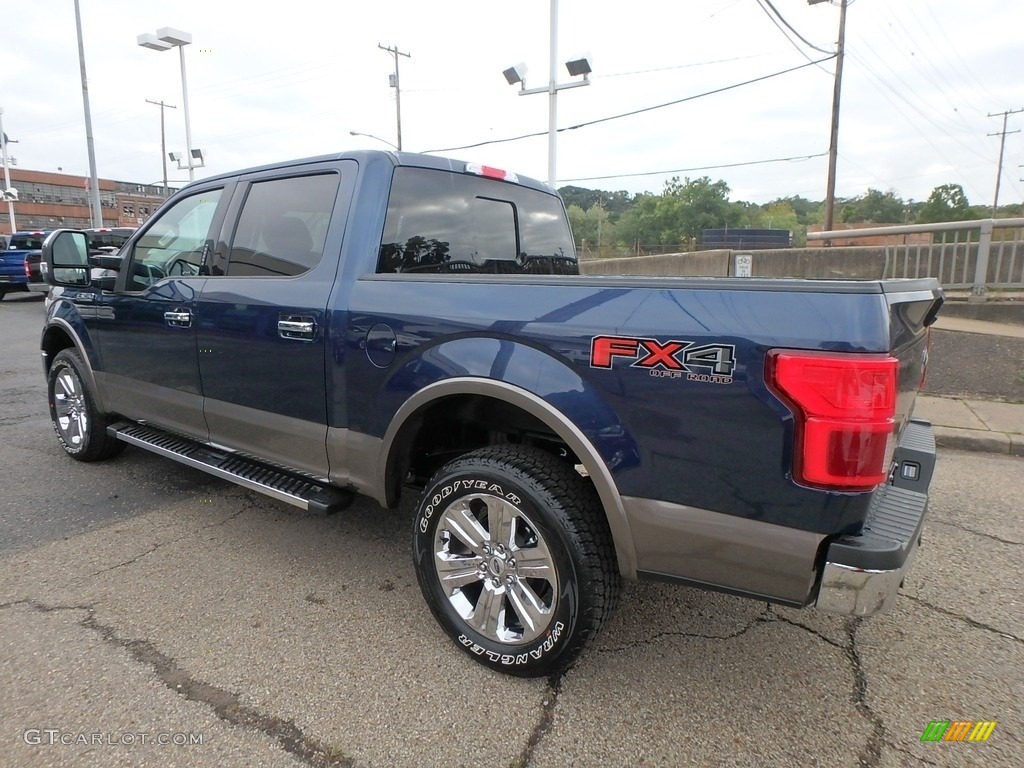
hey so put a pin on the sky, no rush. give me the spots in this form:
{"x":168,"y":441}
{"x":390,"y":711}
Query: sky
{"x":271,"y":82}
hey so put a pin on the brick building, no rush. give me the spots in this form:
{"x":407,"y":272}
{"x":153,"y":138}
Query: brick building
{"x":51,"y":200}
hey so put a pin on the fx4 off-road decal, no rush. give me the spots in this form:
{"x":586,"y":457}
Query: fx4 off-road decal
{"x":708,"y":363}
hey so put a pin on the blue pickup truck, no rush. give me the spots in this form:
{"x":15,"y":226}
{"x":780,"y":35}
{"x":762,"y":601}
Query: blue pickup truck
{"x":14,"y":275}
{"x":387,"y":323}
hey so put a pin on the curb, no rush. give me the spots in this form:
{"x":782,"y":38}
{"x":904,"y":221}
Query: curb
{"x":979,"y":441}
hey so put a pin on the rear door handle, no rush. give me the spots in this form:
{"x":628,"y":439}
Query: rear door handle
{"x":180,"y":318}
{"x":296,"y":327}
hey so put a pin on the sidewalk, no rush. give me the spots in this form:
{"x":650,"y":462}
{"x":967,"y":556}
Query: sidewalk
{"x":969,"y":424}
{"x":974,"y":425}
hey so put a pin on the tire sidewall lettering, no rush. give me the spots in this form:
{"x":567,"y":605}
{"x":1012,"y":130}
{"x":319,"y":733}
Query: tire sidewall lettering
{"x":520,"y":657}
{"x":446,"y":491}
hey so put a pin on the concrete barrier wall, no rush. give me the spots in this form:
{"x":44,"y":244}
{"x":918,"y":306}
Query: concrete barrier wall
{"x":699,"y":264}
{"x":830,"y":263}
{"x":856,"y":263}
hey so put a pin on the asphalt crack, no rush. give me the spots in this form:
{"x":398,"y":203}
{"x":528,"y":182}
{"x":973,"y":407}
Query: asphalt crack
{"x":810,"y":630}
{"x":911,"y":755}
{"x":160,"y":545}
{"x":765,"y":617}
{"x":965,"y":619}
{"x":984,"y":535}
{"x":544,"y":723}
{"x":871,"y":755}
{"x":225,"y":704}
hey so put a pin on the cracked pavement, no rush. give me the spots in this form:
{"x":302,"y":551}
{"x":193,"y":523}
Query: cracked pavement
{"x":143,"y":597}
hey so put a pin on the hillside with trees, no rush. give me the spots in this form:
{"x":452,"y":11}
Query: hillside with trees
{"x":619,"y":223}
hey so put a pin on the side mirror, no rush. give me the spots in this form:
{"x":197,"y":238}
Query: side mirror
{"x":66,"y":254}
{"x":105,"y":267}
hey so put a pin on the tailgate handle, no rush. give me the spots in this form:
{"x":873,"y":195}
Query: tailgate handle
{"x":180,"y":318}
{"x":296,"y":327}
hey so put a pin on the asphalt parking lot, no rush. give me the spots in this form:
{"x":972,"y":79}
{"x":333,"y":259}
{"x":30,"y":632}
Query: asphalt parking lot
{"x":142,"y":602}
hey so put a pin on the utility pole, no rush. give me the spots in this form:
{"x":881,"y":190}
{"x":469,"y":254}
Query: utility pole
{"x":1002,"y":145}
{"x":163,"y":139}
{"x":833,"y":145}
{"x":398,"y":89}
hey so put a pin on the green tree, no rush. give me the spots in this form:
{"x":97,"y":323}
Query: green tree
{"x":807,"y":211}
{"x":591,"y":226}
{"x":947,"y":202}
{"x":780,"y":215}
{"x":577,"y":222}
{"x":876,"y":207}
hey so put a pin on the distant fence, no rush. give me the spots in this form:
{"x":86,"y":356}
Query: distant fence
{"x":978,"y":255}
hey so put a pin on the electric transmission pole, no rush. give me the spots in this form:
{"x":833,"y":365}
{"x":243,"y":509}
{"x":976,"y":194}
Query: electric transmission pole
{"x":1002,"y":145}
{"x":833,"y":144}
{"x":398,"y":89}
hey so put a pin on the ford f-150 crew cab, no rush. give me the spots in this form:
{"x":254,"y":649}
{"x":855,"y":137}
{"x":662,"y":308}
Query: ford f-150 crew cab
{"x":376,"y":322}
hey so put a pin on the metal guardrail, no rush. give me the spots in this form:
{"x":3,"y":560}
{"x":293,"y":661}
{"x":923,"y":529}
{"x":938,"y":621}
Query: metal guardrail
{"x":978,"y":255}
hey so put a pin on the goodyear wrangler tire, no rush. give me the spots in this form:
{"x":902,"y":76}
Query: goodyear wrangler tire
{"x":515,"y":560}
{"x":80,"y":425}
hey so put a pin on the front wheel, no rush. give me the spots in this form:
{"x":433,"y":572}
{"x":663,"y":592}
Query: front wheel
{"x":80,"y":425}
{"x":514,"y":558}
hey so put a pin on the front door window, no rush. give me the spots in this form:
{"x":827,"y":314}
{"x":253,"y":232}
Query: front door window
{"x":174,"y":245}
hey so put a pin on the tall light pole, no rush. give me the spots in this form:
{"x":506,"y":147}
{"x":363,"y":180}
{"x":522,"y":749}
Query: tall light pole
{"x":7,"y":194}
{"x":833,"y":145}
{"x":396,"y":84}
{"x":94,"y":183}
{"x":163,"y":137}
{"x":165,"y":39}
{"x":517,"y":74}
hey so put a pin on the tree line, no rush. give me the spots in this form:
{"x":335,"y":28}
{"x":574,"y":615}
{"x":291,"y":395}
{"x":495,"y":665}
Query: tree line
{"x":616,"y":223}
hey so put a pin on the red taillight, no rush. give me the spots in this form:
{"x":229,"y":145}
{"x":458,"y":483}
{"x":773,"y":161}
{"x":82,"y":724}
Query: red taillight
{"x":844,"y":407}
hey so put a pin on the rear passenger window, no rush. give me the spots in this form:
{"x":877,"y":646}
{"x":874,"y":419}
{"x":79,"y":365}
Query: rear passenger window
{"x":283,"y":226}
{"x":443,"y":222}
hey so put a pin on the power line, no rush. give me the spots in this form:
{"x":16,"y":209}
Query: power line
{"x":798,"y":158}
{"x":790,"y":28}
{"x":635,"y":111}
{"x":789,"y":40}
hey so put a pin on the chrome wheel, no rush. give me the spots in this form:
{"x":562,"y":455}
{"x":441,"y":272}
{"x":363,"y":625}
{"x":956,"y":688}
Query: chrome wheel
{"x":71,"y":412}
{"x":495,"y":568}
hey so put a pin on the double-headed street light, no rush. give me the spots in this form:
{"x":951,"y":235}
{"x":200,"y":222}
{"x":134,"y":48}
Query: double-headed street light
{"x":577,"y":67}
{"x":165,"y":39}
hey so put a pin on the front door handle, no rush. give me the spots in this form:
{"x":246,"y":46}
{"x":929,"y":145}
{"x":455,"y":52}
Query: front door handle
{"x":179,"y":318}
{"x":296,"y":327}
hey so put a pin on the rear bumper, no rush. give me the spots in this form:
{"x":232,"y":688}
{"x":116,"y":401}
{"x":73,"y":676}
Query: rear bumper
{"x":863,"y":572}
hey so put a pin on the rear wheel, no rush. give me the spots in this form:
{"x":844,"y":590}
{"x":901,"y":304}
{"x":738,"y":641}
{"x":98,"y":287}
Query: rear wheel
{"x":515,"y":559}
{"x":80,"y":425}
